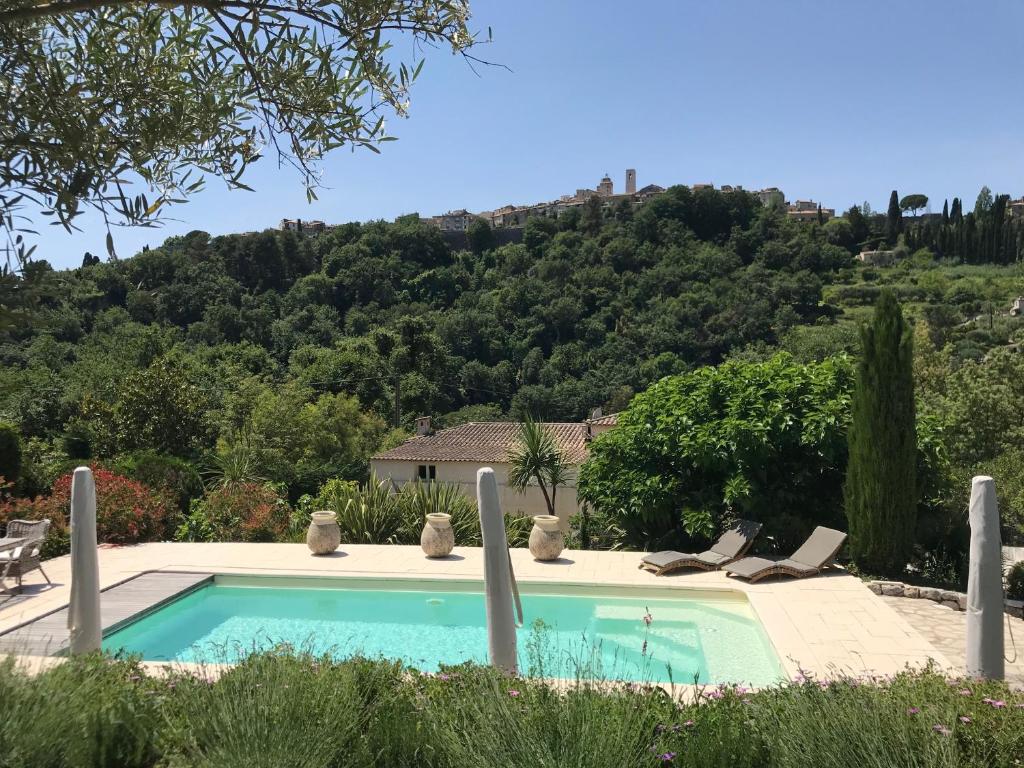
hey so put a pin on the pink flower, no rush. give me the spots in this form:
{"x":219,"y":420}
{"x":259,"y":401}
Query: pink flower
{"x":965,"y":692}
{"x":941,"y":729}
{"x":996,"y":703}
{"x":444,"y":677}
{"x":913,"y":710}
{"x":716,"y":694}
{"x":648,"y":618}
{"x":964,"y":719}
{"x":688,"y":724}
{"x":513,"y":693}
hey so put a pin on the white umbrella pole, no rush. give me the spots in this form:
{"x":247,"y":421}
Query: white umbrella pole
{"x":84,"y":609}
{"x":985,"y":584}
{"x":501,"y":628}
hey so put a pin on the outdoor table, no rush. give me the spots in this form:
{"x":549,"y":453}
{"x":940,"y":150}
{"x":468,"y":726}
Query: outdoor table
{"x":6,"y":545}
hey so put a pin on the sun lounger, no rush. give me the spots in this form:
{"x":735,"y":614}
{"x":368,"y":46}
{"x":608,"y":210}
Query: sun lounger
{"x":816,"y":554}
{"x":732,"y":544}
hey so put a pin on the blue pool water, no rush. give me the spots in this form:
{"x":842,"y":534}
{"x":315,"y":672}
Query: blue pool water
{"x":711,"y":639}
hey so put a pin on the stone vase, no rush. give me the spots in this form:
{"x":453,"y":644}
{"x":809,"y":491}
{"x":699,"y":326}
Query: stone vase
{"x":546,"y":538}
{"x":438,"y":538}
{"x":323,"y":535}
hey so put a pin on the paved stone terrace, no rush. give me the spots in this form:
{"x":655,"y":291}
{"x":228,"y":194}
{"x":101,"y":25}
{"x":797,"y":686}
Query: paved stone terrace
{"x":946,"y":629}
{"x":827,"y":625}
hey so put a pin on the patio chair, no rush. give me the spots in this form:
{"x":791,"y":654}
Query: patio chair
{"x":816,"y":554}
{"x":25,"y":558}
{"x":731,"y":545}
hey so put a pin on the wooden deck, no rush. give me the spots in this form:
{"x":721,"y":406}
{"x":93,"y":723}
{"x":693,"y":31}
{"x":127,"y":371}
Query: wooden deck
{"x":119,"y":604}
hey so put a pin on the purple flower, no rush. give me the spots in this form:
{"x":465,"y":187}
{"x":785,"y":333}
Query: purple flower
{"x":913,"y":710}
{"x":996,"y":703}
{"x":965,"y":692}
{"x":964,"y":719}
{"x":667,"y":757}
{"x":716,"y":694}
{"x":513,"y":693}
{"x":648,"y":618}
{"x":444,"y":677}
{"x":941,"y":729}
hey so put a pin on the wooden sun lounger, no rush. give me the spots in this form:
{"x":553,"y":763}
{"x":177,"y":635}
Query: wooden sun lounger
{"x":816,"y":554}
{"x":731,"y":545}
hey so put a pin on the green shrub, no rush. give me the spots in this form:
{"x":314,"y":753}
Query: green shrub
{"x":91,"y":712}
{"x":10,"y":452}
{"x":175,"y":476}
{"x":765,"y":441}
{"x":237,"y":512}
{"x":367,"y":515}
{"x":1015,"y":581}
{"x":127,"y":512}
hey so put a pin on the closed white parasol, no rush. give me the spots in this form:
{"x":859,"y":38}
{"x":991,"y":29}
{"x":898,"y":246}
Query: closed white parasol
{"x":500,"y":591}
{"x":84,"y":609}
{"x":985,"y":584}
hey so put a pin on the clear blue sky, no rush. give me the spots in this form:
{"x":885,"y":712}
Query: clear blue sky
{"x":835,"y":101}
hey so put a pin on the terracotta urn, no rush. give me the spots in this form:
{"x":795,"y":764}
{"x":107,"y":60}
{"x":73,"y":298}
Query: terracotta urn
{"x":438,"y":538}
{"x":323,"y":535}
{"x":546,"y":538}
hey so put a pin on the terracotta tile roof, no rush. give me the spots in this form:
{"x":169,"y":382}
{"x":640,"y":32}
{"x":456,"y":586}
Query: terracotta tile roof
{"x":485,"y":441}
{"x":606,"y":421}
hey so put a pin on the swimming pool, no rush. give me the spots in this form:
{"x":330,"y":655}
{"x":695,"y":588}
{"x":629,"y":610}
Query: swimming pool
{"x":569,"y":631}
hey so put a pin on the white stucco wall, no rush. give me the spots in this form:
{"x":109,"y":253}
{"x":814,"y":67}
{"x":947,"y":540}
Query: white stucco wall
{"x":463,"y":474}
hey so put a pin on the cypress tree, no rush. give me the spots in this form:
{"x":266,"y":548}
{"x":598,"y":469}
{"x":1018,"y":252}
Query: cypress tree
{"x":880,"y":493}
{"x":945,"y":213}
{"x":893,"y":219}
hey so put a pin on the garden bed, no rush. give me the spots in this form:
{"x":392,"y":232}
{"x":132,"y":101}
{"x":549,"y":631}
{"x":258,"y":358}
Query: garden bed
{"x":285,"y":709}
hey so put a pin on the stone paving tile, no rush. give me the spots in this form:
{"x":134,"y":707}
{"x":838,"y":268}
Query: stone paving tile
{"x":946,"y":630}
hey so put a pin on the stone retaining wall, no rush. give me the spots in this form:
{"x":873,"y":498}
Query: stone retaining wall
{"x":955,"y":600}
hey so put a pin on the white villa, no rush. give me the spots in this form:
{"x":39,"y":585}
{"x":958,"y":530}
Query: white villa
{"x":454,"y":455}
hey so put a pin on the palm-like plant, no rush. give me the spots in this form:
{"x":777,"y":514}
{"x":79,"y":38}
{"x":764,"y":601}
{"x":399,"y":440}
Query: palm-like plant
{"x":237,"y":460}
{"x":538,"y":458}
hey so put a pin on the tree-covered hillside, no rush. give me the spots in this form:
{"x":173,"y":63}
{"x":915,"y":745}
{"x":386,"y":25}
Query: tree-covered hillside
{"x":206,"y":339}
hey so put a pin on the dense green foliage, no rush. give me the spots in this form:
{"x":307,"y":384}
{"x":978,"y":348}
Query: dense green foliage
{"x":298,"y":346}
{"x":881,"y":490}
{"x":763,"y":441}
{"x":280,"y":709}
{"x":287,"y":360}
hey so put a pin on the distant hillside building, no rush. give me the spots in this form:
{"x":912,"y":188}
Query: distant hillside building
{"x":807,"y":210}
{"x":1016,"y":208}
{"x":771,"y":196}
{"x":651,"y":190}
{"x":453,"y":221}
{"x":517,"y":215}
{"x":877,"y":258}
{"x":300,"y":227}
